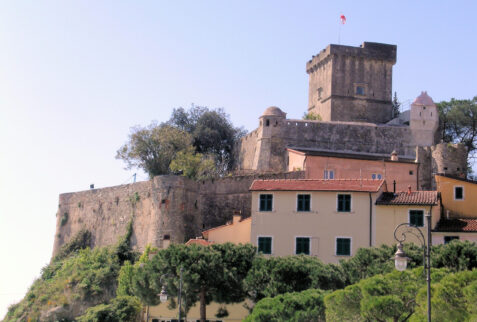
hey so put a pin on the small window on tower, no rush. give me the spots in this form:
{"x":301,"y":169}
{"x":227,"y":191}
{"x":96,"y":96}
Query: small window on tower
{"x":359,"y":90}
{"x":267,"y":123}
{"x":320,"y":91}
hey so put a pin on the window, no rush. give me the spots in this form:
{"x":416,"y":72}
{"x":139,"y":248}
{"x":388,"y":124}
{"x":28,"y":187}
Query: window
{"x":411,"y":172}
{"x":448,"y":239}
{"x":343,"y":246}
{"x":344,"y":203}
{"x":375,"y":176}
{"x":303,"y":203}
{"x":416,"y":218}
{"x":266,"y":202}
{"x":359,"y":90}
{"x":265,"y":245}
{"x":267,"y":123}
{"x":329,"y":174}
{"x":302,"y":245}
{"x":458,"y":193}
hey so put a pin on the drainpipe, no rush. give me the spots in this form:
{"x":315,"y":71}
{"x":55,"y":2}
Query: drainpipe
{"x":370,"y":220}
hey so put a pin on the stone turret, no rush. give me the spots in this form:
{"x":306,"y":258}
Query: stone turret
{"x":266,"y":157}
{"x":424,"y":120}
{"x":352,"y":83}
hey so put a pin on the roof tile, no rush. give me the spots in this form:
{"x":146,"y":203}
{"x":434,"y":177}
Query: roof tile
{"x":457,"y":225}
{"x":423,"y":198}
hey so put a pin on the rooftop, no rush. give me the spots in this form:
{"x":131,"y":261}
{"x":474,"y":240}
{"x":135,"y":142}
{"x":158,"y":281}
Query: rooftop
{"x":347,"y":185}
{"x":274,"y":111}
{"x":423,"y":99}
{"x":199,"y":241}
{"x":351,"y":154}
{"x":457,"y":225}
{"x":404,"y":198}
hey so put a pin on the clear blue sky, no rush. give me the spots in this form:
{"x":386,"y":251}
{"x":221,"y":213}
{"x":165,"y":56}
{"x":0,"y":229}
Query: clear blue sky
{"x":76,"y":75}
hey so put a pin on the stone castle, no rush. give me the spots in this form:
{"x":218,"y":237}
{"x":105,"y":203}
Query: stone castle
{"x":350,"y":88}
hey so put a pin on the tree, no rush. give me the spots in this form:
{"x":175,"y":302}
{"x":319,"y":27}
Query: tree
{"x":456,"y":255}
{"x":211,"y":273}
{"x":453,"y":297}
{"x":344,"y":305}
{"x":272,"y":276}
{"x":371,"y":261}
{"x":297,"y":307}
{"x":396,"y":105}
{"x":312,"y":116}
{"x":153,"y":148}
{"x":212,"y":133}
{"x":121,"y":308}
{"x":193,"y":165}
{"x":458,"y":122}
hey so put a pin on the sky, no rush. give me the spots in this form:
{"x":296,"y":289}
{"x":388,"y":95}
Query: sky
{"x":75,"y":76}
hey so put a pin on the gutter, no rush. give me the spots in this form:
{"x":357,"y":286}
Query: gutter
{"x":370,"y":220}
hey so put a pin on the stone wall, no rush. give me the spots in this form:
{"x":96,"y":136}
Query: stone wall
{"x":334,"y":136}
{"x":167,"y":208}
{"x":450,"y":159}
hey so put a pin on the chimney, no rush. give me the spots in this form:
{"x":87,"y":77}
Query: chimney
{"x":394,"y":156}
{"x":409,"y":190}
{"x":394,"y":186}
{"x":236,"y":217}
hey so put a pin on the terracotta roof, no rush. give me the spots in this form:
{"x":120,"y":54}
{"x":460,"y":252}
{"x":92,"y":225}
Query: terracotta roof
{"x":199,"y":241}
{"x":423,"y":99}
{"x":423,"y":198}
{"x":363,"y":185}
{"x":457,"y":225}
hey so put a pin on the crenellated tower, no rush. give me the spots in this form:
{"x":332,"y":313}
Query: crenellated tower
{"x":352,"y":83}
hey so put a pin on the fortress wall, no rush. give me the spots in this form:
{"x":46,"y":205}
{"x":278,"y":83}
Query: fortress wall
{"x":157,"y":207}
{"x":451,"y":159}
{"x":166,"y":208}
{"x":347,"y":136}
{"x":247,"y":148}
{"x":220,"y":198}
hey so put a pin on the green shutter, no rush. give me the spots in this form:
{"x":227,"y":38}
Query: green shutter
{"x":343,"y":246}
{"x":302,"y":245}
{"x":265,"y":245}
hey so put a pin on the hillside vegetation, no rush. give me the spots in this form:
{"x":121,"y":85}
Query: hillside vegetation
{"x":76,"y":279}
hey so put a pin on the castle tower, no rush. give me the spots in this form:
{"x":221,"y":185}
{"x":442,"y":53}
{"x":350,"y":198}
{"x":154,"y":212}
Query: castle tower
{"x":424,"y":120}
{"x":352,"y":83}
{"x":268,"y":156}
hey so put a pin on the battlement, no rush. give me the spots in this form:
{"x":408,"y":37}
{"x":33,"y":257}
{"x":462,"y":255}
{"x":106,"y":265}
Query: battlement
{"x":368,"y":50}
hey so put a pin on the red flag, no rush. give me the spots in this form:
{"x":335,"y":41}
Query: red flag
{"x":343,"y":19}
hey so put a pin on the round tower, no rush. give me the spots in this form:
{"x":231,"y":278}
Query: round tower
{"x":424,"y":120}
{"x":271,"y":118}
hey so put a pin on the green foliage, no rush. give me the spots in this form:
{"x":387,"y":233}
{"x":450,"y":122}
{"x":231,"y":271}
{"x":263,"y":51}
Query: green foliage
{"x":64,"y":219}
{"x":212,"y":132}
{"x":312,"y":116}
{"x":299,"y":306}
{"x":453,"y":298}
{"x":456,"y":255}
{"x":210,"y":273}
{"x":344,"y":305}
{"x":396,"y":106}
{"x":77,"y":276}
{"x":125,"y":279}
{"x":134,"y":198}
{"x":121,"y":308}
{"x":377,"y":260}
{"x":271,"y":276}
{"x":81,"y":240}
{"x":193,"y":165}
{"x":458,"y":122}
{"x":153,"y":148}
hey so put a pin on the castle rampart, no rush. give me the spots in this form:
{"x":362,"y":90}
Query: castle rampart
{"x":163,"y":210}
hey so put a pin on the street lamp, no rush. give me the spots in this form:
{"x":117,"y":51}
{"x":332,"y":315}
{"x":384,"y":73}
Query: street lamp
{"x":400,"y":258}
{"x":163,"y":294}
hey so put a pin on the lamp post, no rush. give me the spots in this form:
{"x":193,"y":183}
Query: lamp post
{"x":163,"y":294}
{"x":400,"y":258}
